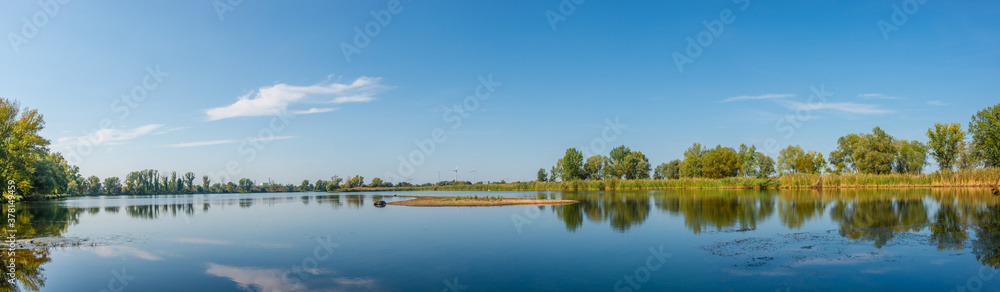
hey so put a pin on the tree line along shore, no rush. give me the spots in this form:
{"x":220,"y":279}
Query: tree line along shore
{"x":965,"y":158}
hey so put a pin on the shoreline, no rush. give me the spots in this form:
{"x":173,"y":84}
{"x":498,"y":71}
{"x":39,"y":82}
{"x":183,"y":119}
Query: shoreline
{"x":441,"y":201}
{"x":795,"y":187}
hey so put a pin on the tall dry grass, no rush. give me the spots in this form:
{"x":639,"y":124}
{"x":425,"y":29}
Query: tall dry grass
{"x":966,"y":178}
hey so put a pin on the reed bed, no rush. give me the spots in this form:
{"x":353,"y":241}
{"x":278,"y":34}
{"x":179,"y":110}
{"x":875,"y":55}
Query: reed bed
{"x":988,"y":177}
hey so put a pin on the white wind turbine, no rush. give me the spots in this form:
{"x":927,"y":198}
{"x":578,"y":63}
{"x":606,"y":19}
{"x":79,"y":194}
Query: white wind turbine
{"x":456,"y":173}
{"x":474,"y":173}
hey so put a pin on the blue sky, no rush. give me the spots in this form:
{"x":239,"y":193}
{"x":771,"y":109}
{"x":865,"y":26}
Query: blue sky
{"x":263,"y":89}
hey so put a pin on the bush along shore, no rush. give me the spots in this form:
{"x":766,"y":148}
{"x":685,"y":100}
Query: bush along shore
{"x":982,"y":178}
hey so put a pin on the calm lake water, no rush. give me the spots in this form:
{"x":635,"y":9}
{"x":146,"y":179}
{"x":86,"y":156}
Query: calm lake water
{"x":685,"y":240}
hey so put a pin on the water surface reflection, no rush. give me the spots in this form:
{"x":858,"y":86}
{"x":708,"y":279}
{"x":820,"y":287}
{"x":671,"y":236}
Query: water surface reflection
{"x":949,"y":220}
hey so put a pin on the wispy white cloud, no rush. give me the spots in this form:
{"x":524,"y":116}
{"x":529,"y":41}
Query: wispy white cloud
{"x":847,"y":259}
{"x":879,"y":270}
{"x":937,"y":103}
{"x":108,"y":137}
{"x":272,"y":138}
{"x":170,"y":129}
{"x":263,"y":279}
{"x":271,"y":245}
{"x":363,"y":282}
{"x":275,"y":99}
{"x":256,"y":279}
{"x":352,"y":98}
{"x":218,"y":142}
{"x":761,"y":273}
{"x":118,"y":251}
{"x":759,"y":115}
{"x":202,"y":143}
{"x":876,"y":96}
{"x":314,"y":111}
{"x":201,"y":241}
{"x":850,"y":107}
{"x":755,"y":97}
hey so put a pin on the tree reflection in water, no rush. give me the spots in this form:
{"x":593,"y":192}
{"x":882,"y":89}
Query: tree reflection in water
{"x":879,"y":220}
{"x":948,"y":231}
{"x":623,"y":210}
{"x":701,"y":210}
{"x":961,"y":219}
{"x":987,"y":243}
{"x":36,"y":220}
{"x":866,"y":215}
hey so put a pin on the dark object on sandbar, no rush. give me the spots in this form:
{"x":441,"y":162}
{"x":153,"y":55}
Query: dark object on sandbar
{"x":996,"y":192}
{"x":380,"y":204}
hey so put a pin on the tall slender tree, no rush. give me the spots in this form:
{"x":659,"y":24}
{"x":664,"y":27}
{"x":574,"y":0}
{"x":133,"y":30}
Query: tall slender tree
{"x":943,"y":143}
{"x":572,"y":165}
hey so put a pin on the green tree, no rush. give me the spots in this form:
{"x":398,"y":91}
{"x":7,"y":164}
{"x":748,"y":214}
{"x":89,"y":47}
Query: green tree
{"x":660,"y":172}
{"x":305,"y":186}
{"x":967,"y":158}
{"x":20,"y":144}
{"x":165,"y":186}
{"x":636,"y":166}
{"x":72,"y":187}
{"x":793,"y":159}
{"x":596,"y":167}
{"x":542,"y":176}
{"x":817,"y":162}
{"x":985,"y":130}
{"x":49,"y":176}
{"x":876,"y":153}
{"x":174,"y":185}
{"x":334,"y":183}
{"x":747,"y":160}
{"x":842,"y":159}
{"x":245,"y":185}
{"x":189,"y":180}
{"x":93,"y":185}
{"x":206,"y":183}
{"x":765,"y":165}
{"x":616,"y":160}
{"x":556,"y":171}
{"x":77,"y":183}
{"x":376,"y":182}
{"x":943,"y":143}
{"x":673,"y":169}
{"x":720,"y":162}
{"x":911,"y":158}
{"x":113,"y":185}
{"x":356,"y":182}
{"x":691,"y":166}
{"x":572,"y":165}
{"x":788,"y":157}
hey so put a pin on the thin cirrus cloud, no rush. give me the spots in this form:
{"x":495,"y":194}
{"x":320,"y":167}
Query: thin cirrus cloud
{"x":937,"y":103}
{"x":201,"y":241}
{"x":757,"y":97}
{"x":271,"y":100}
{"x":876,"y":96}
{"x":107,"y":137}
{"x":849,"y":107}
{"x":250,"y":278}
{"x":125,"y":251}
{"x":219,"y":142}
{"x":267,"y":279}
